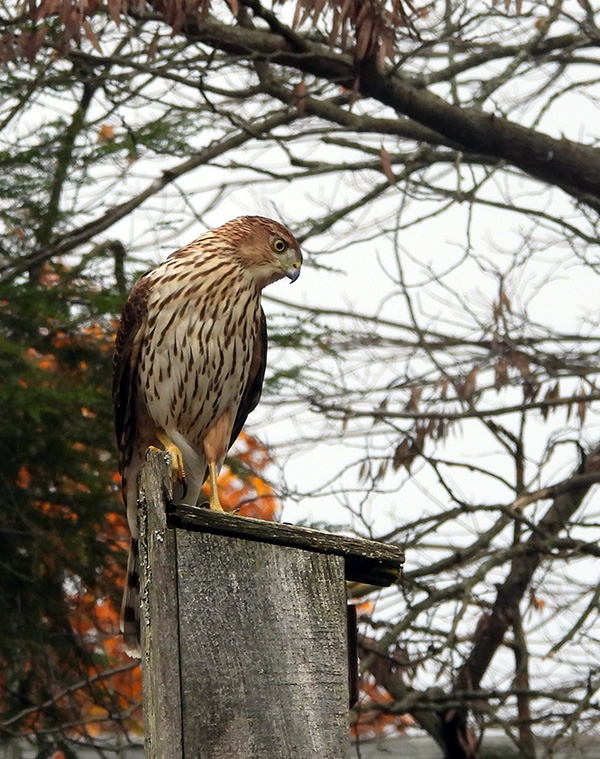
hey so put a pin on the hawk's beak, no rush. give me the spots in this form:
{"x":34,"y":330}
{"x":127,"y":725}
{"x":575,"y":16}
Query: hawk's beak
{"x":293,"y":272}
{"x":291,"y":261}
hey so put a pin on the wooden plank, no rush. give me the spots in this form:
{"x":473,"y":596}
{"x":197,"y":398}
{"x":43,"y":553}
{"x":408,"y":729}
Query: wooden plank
{"x":244,"y":630}
{"x":264,"y":671}
{"x":367,"y":561}
{"x":159,"y":615}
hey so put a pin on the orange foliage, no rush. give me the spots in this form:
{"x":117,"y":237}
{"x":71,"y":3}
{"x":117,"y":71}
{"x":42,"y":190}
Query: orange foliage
{"x":251,"y":496}
{"x":369,"y":718}
{"x":364,"y":607}
{"x":57,"y":510}
{"x":24,"y":477}
{"x":43,"y":360}
{"x":106,"y":133}
{"x":96,"y":620}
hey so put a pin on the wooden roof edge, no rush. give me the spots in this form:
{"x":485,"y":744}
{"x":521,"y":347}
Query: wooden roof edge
{"x":367,"y":561}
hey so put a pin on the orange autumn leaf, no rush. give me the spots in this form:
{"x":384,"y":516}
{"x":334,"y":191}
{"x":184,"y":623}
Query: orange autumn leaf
{"x":24,"y":477}
{"x":56,"y":510}
{"x":106,"y":133}
{"x":365,"y":607}
{"x":370,"y":721}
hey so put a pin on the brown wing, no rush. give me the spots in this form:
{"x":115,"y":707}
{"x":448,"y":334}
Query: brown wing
{"x":253,"y":388}
{"x":125,"y":359}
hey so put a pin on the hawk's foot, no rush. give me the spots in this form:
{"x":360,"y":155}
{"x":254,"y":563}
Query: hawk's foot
{"x":177,"y":467}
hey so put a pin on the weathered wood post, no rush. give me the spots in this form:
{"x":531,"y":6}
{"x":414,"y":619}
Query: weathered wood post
{"x":244,"y":637}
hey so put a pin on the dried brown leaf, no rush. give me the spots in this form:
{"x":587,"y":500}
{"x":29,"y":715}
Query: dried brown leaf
{"x":336,"y":26}
{"x":551,"y":395}
{"x":73,"y":27}
{"x":413,"y":401}
{"x":581,"y":411}
{"x":176,"y":15}
{"x":386,"y":166}
{"x":91,"y":35}
{"x":500,"y":373}
{"x":152,"y":48}
{"x":106,"y":133}
{"x":363,"y":11}
{"x":501,"y":305}
{"x":45,"y":9}
{"x":569,"y":410}
{"x":296,"y":21}
{"x":536,"y":603}
{"x":201,"y":7}
{"x":8,"y":47}
{"x":440,"y":430}
{"x":299,"y":97}
{"x":114,"y":10}
{"x":30,"y":42}
{"x":385,"y":50}
{"x":339,"y":23}
{"x":521,"y":362}
{"x":65,"y":11}
{"x":420,"y":439}
{"x":404,"y":455}
{"x":466,"y":389}
{"x":234,"y":7}
{"x":530,"y":389}
{"x":364,"y":35}
{"x":317,"y":7}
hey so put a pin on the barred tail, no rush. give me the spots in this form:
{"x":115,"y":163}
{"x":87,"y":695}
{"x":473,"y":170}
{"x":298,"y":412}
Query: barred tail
{"x":130,"y":608}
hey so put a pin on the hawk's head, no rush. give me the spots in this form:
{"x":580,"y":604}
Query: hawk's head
{"x":264,"y":247}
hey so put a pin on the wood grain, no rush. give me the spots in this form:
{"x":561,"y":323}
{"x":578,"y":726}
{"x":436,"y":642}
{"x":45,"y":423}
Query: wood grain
{"x":367,"y":561}
{"x":159,"y":615}
{"x":264,"y":659}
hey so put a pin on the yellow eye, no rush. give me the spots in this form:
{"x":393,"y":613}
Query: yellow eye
{"x":279,"y":245}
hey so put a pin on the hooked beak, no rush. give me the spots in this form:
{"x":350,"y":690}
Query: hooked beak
{"x":290,"y":262}
{"x":293,"y":271}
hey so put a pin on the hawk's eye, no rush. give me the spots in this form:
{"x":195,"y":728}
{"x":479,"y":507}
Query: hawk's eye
{"x":279,"y":245}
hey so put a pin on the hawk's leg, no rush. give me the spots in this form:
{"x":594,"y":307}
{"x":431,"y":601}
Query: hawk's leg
{"x":216,"y":442}
{"x":178,"y":470}
{"x":214,"y":502}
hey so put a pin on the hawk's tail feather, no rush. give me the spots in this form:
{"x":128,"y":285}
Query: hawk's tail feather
{"x":130,"y":608}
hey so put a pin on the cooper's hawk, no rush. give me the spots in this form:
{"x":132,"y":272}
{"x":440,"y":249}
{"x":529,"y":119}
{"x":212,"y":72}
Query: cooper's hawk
{"x":189,"y":364}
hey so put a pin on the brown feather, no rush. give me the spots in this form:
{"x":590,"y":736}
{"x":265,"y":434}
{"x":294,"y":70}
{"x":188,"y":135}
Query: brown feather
{"x":125,"y":366}
{"x":253,"y":389}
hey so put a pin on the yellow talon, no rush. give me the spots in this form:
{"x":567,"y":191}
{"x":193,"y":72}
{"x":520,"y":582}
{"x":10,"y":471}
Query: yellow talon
{"x":177,"y":467}
{"x":214,"y":502}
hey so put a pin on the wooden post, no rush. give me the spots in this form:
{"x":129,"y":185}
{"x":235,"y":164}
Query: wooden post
{"x":244,"y":635}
